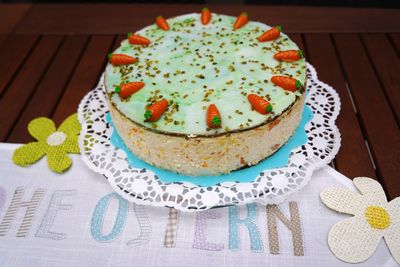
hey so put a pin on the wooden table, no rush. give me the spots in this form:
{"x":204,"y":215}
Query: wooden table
{"x":52,"y":55}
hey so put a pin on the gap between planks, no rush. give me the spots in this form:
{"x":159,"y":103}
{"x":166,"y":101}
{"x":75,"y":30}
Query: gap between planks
{"x":85,"y":76}
{"x":50,"y":86}
{"x":24,"y":85}
{"x":320,"y":52}
{"x":375,"y":117}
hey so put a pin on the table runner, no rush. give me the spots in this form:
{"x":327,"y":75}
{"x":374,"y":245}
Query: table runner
{"x":74,"y":219}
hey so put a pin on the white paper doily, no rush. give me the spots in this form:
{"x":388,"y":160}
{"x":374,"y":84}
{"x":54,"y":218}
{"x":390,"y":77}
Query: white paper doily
{"x":270,"y":187}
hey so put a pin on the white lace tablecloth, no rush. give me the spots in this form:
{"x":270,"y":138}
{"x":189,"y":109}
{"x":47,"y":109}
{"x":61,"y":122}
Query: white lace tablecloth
{"x":75,"y":219}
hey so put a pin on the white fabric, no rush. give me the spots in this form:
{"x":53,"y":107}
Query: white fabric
{"x":77,"y":247}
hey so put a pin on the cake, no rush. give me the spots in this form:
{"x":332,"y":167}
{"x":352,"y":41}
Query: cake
{"x":204,"y":93}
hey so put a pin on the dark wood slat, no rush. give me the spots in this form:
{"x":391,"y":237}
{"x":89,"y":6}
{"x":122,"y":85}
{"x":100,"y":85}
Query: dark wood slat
{"x":296,"y":37}
{"x":50,"y":88}
{"x":21,"y":89}
{"x":12,"y":53}
{"x":387,"y":67}
{"x":10,"y":15}
{"x":3,"y":37}
{"x":85,"y":76}
{"x":101,"y":18}
{"x":395,"y":37}
{"x":377,"y":119}
{"x":118,"y":41}
{"x":353,"y":159}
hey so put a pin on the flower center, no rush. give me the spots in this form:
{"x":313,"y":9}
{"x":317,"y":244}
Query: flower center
{"x":377,"y":217}
{"x":56,"y":138}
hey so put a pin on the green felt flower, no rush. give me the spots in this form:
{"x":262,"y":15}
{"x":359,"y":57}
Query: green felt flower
{"x":56,"y":143}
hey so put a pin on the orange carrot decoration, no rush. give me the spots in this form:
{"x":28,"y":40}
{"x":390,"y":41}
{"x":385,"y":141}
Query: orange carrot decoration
{"x":137,"y":39}
{"x":213,"y":117}
{"x":127,"y":89}
{"x":287,"y":83}
{"x":156,"y":110}
{"x":205,"y":16}
{"x":162,"y":23}
{"x":271,"y":34}
{"x":241,"y":21}
{"x":289,"y":55}
{"x":259,"y":104}
{"x":121,"y":59}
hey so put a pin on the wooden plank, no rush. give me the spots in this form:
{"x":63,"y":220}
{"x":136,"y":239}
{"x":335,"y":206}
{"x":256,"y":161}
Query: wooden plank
{"x":377,"y":119}
{"x":51,"y":87}
{"x":3,"y":37}
{"x":23,"y":86}
{"x":13,"y":53}
{"x":10,"y":15}
{"x":297,"y":38}
{"x":85,"y":76}
{"x":118,"y":18}
{"x":118,"y":41}
{"x":395,"y":38}
{"x":353,"y":159}
{"x":387,"y":66}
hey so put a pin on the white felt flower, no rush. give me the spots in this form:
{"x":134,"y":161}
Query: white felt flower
{"x":355,"y":239}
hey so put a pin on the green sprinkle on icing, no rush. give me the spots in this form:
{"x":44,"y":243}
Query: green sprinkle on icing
{"x":118,"y":89}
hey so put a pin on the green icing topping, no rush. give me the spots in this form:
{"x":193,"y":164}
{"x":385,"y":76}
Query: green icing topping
{"x":193,"y":65}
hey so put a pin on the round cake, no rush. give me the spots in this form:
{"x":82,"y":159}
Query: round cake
{"x":206,"y":94}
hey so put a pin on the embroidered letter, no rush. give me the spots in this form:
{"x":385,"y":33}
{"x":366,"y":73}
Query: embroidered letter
{"x":144,"y":224}
{"x":98,"y":218}
{"x":17,"y":203}
{"x":172,"y":225}
{"x":3,"y":195}
{"x":200,"y":237}
{"x":48,"y":219}
{"x":294,"y":226}
{"x":234,"y":221}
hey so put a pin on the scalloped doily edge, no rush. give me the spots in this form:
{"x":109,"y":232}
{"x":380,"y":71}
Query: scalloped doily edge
{"x":267,"y":199}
